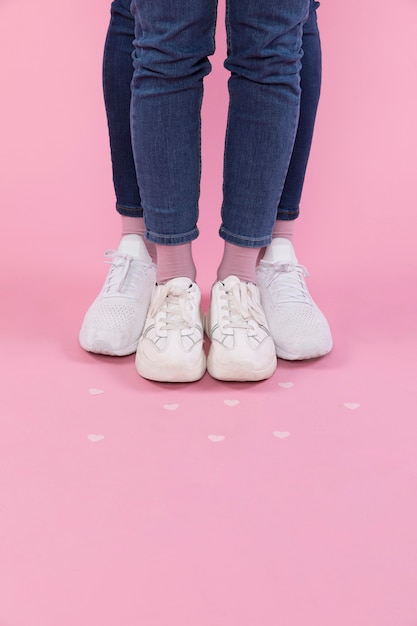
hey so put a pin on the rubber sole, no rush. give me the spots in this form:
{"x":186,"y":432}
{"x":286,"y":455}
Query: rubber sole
{"x":287,"y":356}
{"x":172,"y":372}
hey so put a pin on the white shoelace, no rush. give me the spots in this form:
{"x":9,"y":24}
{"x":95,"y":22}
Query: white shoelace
{"x":286,"y":280}
{"x":242,"y":306}
{"x":123,"y":266}
{"x":177,"y":305}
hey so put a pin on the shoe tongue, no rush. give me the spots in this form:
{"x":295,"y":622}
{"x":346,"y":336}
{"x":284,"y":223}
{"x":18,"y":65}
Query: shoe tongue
{"x":134,"y":246}
{"x":230,"y":281}
{"x":280,"y":250}
{"x":182,"y":282}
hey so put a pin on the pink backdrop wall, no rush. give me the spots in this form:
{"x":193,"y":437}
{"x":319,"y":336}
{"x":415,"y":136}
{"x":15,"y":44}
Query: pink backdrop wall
{"x":305,"y":512}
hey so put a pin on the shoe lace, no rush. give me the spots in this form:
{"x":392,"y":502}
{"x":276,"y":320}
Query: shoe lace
{"x":286,"y":280}
{"x":123,"y":269}
{"x":242,"y":307}
{"x":177,"y":306}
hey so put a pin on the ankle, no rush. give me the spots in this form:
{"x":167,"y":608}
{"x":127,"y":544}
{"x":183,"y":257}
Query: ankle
{"x":174,"y":261}
{"x":284,"y":229}
{"x":238,"y":261}
{"x":136,"y":226}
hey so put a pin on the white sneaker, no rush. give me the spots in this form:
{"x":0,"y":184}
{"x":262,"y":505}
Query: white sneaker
{"x":171,"y":346}
{"x":242,"y":347}
{"x":114,"y":322}
{"x":298,"y":327}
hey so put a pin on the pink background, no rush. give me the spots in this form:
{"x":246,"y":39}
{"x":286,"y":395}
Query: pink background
{"x":305,"y":512}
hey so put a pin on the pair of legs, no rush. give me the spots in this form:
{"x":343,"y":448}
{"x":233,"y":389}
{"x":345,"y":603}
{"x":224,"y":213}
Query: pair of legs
{"x":117,"y":79}
{"x":155,"y":147}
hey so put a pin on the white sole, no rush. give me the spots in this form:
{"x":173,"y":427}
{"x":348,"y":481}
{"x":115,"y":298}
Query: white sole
{"x":288,"y":356}
{"x":172,"y":372}
{"x":241,"y":373}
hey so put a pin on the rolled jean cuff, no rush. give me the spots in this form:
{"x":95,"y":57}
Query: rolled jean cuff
{"x":129,"y":211}
{"x":172,"y":240}
{"x":245,"y":242}
{"x":288,"y":214}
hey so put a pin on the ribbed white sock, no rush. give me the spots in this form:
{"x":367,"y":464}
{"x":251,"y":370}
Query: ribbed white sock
{"x":282,"y":229}
{"x":136,"y":226}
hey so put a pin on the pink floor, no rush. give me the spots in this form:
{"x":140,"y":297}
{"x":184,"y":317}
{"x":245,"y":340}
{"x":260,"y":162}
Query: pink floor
{"x":282,"y":503}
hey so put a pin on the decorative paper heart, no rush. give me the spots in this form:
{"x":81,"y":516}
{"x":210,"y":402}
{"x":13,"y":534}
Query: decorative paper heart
{"x":281,"y":435}
{"x":286,"y":385}
{"x":95,"y":438}
{"x":171,"y":407}
{"x":95,"y":392}
{"x":216,"y":438}
{"x":232,"y":402}
{"x":352,"y":405}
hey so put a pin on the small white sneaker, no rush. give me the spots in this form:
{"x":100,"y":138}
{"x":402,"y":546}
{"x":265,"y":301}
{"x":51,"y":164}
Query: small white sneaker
{"x":171,"y":346}
{"x":114,"y":322}
{"x":298,"y":327}
{"x":242,"y":348}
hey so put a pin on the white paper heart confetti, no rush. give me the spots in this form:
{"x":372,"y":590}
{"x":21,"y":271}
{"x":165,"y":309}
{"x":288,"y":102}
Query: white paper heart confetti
{"x":95,"y":392}
{"x":352,"y":405}
{"x":95,"y":438}
{"x":281,"y":434}
{"x":231,"y":402}
{"x":286,"y":385}
{"x":216,"y":438}
{"x":171,"y":407}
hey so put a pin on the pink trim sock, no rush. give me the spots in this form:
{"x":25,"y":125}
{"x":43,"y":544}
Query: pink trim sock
{"x":136,"y":226}
{"x":174,"y":261}
{"x":285,"y":229}
{"x":238,"y":261}
{"x":282,"y":228}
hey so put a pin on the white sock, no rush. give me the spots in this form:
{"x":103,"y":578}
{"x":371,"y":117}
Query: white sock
{"x":136,"y":226}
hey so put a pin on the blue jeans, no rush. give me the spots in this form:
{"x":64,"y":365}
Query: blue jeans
{"x":170,"y":180}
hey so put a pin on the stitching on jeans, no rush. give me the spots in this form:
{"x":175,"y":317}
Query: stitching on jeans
{"x":128,"y":210}
{"x":189,"y":236}
{"x":256,"y":240}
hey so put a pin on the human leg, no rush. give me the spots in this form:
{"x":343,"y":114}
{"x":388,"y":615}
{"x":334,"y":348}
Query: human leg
{"x":117,"y":77}
{"x":299,"y":328}
{"x":264,"y":58}
{"x":173,"y":41}
{"x":264,"y":52}
{"x":172,"y":45}
{"x":310,"y":75}
{"x":310,"y":78}
{"x":114,"y":321}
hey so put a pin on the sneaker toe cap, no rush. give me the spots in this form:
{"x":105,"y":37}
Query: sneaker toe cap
{"x":306,"y":346}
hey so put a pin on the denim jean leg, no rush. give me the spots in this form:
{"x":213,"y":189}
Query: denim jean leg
{"x":173,"y":41}
{"x":117,"y":77}
{"x":289,"y":205}
{"x":264,"y":52}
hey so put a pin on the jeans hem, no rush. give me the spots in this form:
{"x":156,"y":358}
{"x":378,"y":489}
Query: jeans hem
{"x":129,"y":211}
{"x":172,"y":240}
{"x":287,"y":214}
{"x":245,"y":242}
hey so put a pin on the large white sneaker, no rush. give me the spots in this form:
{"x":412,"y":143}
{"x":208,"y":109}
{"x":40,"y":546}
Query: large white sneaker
{"x":241,"y":345}
{"x":171,"y":346}
{"x":114,"y":322}
{"x":298,"y":327}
